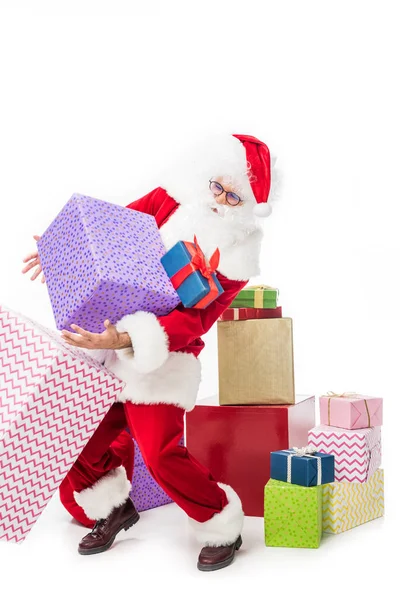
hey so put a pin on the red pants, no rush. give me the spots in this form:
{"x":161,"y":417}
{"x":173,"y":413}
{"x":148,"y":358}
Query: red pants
{"x":157,"y":430}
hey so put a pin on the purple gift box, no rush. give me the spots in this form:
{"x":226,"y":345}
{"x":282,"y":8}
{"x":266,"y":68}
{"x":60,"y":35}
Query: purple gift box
{"x":145,"y":492}
{"x":103,"y":261}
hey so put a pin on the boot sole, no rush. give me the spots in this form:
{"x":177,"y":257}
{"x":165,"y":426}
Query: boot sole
{"x":223,"y":563}
{"x":127,"y":525}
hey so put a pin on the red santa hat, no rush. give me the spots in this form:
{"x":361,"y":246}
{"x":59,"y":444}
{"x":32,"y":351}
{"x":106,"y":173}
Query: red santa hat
{"x":259,"y":172}
{"x":244,"y":160}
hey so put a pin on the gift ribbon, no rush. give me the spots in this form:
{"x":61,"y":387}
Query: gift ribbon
{"x":259,"y":294}
{"x":345,"y":395}
{"x":308,"y":451}
{"x":199,"y":263}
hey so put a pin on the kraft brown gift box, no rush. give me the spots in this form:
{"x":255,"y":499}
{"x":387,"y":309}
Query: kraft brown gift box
{"x":256,"y":362}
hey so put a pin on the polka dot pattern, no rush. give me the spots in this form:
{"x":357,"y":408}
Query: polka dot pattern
{"x":146,"y":493}
{"x":292,"y":515}
{"x":102,"y":261}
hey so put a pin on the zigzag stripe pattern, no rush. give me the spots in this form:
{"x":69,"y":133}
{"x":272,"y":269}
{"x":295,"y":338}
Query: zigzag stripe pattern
{"x":357,"y":456}
{"x":52,"y":399}
{"x":347,"y":505}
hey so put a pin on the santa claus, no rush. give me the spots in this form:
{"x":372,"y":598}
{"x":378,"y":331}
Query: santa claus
{"x":216,"y":195}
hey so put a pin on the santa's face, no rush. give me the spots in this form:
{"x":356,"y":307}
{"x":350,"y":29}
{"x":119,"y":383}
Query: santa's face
{"x":219,"y":216}
{"x":225,"y":194}
{"x":227,"y":200}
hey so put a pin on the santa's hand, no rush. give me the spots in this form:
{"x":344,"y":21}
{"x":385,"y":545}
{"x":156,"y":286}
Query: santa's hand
{"x":110,"y":339}
{"x":33,"y":260}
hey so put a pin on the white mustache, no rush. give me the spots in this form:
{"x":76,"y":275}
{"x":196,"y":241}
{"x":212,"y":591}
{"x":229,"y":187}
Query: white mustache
{"x":221,"y":209}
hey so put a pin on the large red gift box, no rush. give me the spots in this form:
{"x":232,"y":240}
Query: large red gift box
{"x":235,"y":442}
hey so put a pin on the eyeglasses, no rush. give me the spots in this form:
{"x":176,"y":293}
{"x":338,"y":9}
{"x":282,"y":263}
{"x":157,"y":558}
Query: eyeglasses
{"x":231,"y":198}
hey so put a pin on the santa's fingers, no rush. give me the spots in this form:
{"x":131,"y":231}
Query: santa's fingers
{"x":32,"y":255}
{"x":34,"y":261}
{"x":108,"y":325}
{"x":75,"y":340}
{"x":36,"y":273}
{"x":85,"y":334}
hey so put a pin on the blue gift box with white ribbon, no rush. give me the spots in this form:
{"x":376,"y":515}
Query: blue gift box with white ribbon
{"x":303,"y":466}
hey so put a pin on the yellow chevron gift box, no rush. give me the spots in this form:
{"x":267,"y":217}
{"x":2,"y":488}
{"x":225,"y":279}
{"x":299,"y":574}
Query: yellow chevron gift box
{"x":347,"y":505}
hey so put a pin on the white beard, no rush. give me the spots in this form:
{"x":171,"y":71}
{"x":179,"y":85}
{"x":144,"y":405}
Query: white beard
{"x":227,"y":228}
{"x":233,"y":231}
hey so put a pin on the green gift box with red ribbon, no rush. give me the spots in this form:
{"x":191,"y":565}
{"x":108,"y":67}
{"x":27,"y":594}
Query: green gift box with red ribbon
{"x":192,"y":275}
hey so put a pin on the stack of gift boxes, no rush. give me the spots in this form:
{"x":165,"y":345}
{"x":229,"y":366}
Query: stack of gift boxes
{"x":333,"y":484}
{"x":351,"y":430}
{"x":258,"y":411}
{"x":262,"y":439}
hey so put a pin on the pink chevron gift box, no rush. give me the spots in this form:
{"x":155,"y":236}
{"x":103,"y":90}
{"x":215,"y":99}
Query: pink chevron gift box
{"x":103,"y":261}
{"x":52,"y":398}
{"x":357,"y":452}
{"x":350,"y":411}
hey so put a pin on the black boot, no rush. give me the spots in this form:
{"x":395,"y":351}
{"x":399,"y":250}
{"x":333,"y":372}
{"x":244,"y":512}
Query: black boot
{"x":212,"y":558}
{"x":105,"y":531}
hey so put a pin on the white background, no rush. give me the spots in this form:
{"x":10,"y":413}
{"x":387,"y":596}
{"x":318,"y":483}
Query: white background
{"x":94,"y":96}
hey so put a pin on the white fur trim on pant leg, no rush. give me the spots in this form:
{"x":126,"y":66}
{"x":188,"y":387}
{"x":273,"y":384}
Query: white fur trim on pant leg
{"x":225,"y":527}
{"x":109,"y":492}
{"x":149,"y":341}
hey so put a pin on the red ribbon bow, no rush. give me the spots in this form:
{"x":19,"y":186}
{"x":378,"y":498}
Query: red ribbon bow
{"x":198,"y":262}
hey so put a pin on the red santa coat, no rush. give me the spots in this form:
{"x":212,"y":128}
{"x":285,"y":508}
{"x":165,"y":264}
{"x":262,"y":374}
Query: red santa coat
{"x":162,"y":365}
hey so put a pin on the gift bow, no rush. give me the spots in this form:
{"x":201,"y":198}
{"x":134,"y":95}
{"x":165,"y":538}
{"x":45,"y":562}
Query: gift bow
{"x":308,"y":451}
{"x":331,"y":395}
{"x":199,"y":260}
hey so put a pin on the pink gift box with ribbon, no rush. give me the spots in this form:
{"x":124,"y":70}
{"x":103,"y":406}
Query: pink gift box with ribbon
{"x":350,"y":411}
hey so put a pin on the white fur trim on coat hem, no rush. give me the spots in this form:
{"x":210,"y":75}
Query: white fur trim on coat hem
{"x":176,"y":382}
{"x":109,"y":492}
{"x":149,"y":341}
{"x":225,"y":527}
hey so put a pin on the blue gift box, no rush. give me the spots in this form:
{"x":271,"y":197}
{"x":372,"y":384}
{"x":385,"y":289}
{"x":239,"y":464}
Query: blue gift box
{"x":304,"y":469}
{"x":195,"y":286}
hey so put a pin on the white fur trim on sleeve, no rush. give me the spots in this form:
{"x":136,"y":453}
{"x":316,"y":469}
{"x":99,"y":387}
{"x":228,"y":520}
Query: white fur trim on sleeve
{"x":149,"y":341}
{"x":225,"y":527}
{"x":109,"y":492}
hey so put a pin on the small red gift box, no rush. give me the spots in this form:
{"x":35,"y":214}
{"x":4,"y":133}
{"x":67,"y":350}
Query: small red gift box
{"x":245,"y":314}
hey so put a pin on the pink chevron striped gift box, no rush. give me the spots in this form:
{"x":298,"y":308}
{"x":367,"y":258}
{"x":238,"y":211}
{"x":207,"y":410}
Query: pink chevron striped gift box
{"x":357,"y":452}
{"x":52,"y":398}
